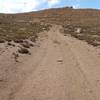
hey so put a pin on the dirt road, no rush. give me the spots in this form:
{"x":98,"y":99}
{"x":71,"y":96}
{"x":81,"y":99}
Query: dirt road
{"x":62,"y":68}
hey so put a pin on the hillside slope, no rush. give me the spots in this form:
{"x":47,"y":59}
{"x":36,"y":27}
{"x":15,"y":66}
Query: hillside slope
{"x":57,"y":66}
{"x":85,"y":20}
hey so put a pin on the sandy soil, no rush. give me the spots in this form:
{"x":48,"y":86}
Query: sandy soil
{"x":59,"y":68}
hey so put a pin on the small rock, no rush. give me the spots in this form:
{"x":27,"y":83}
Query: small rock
{"x":2,"y":41}
{"x":78,"y":30}
{"x":16,"y":55}
{"x":18,"y":41}
{"x":26,"y":44}
{"x":60,"y":60}
{"x":23,"y":50}
{"x":10,"y":44}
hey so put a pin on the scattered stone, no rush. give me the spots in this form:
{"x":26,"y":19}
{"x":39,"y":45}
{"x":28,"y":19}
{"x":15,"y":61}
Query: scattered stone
{"x":18,"y":40}
{"x":56,"y":42}
{"x":2,"y":41}
{"x":60,"y":60}
{"x":65,"y":34}
{"x":44,"y":28}
{"x":16,"y":55}
{"x":10,"y":44}
{"x":1,"y":80}
{"x":23,"y":50}
{"x":9,"y":40}
{"x":33,"y":38}
{"x":95,"y":44}
{"x":78,"y":30}
{"x":32,"y":45}
{"x":25,"y":44}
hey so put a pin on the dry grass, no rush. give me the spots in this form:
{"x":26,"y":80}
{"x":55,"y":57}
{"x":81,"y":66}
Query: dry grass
{"x":16,"y":30}
{"x":88,"y":20}
{"x":89,"y":33}
{"x":21,"y":26}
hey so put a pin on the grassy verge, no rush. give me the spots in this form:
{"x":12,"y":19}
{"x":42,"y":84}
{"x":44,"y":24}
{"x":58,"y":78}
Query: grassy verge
{"x":88,"y":33}
{"x":17,"y":31}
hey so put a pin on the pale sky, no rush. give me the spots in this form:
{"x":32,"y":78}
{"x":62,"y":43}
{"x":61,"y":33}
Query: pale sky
{"x":17,"y":6}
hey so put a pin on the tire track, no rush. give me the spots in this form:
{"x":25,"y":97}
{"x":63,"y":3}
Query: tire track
{"x":43,"y":53}
{"x":87,"y":84}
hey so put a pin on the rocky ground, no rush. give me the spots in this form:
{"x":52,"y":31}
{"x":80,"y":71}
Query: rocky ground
{"x":58,"y":68}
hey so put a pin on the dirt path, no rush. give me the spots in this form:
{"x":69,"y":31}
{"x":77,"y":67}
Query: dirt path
{"x":62,"y":69}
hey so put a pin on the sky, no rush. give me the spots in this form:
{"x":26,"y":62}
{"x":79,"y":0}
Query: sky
{"x":18,"y":6}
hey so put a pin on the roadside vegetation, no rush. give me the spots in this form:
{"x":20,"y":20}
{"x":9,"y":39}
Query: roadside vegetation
{"x":21,"y":31}
{"x":83,"y":24}
{"x":18,"y":31}
{"x":89,"y":33}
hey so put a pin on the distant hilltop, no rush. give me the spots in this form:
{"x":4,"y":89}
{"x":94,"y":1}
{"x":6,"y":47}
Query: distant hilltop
{"x":70,"y":7}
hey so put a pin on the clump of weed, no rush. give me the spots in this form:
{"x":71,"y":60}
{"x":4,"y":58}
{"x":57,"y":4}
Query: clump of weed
{"x":18,"y":31}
